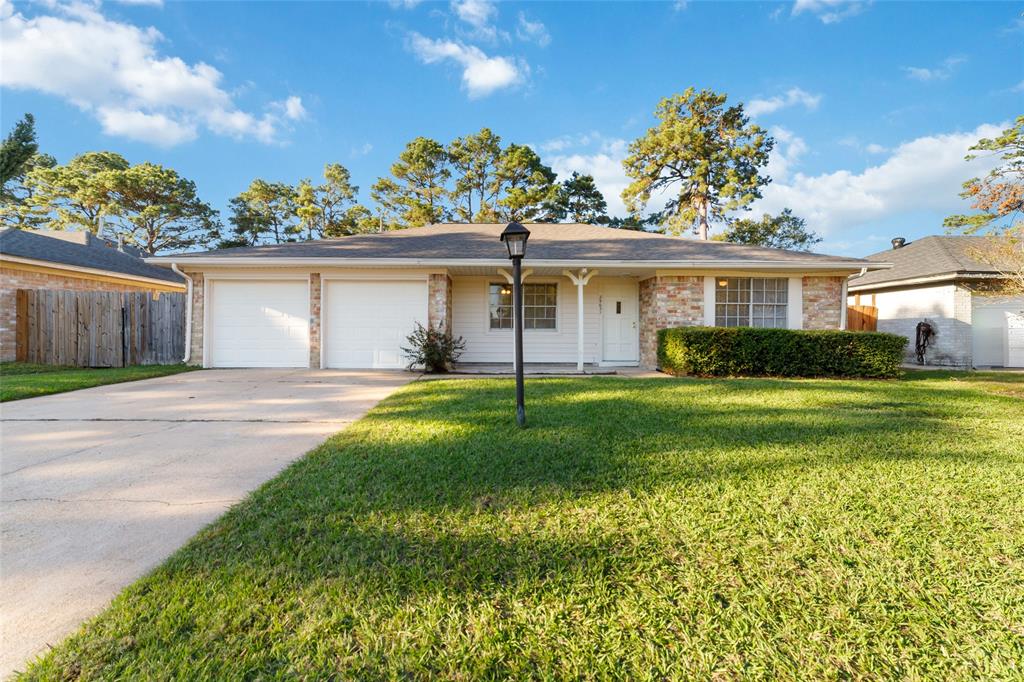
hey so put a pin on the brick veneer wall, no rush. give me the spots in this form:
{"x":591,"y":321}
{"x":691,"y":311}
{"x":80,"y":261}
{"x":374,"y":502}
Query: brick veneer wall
{"x":823,"y":302}
{"x":667,"y":301}
{"x":198,"y":303}
{"x":12,"y":279}
{"x":439,"y":302}
{"x":315,"y":288}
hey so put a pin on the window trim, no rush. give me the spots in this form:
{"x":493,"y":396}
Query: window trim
{"x":487,"y":307}
{"x":787,"y":288}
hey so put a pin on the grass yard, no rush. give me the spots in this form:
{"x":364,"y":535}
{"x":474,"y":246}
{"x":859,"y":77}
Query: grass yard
{"x":639,"y":529}
{"x":21,"y":380}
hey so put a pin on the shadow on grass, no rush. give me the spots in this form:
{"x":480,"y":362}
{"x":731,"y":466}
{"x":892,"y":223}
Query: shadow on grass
{"x":399,"y":541}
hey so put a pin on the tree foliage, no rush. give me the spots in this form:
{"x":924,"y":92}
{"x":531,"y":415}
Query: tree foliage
{"x":76,"y":195}
{"x":998,"y":199}
{"x":17,"y":150}
{"x":784,"y":231}
{"x":329,"y":209}
{"x":475,"y":159}
{"x":264,"y":213}
{"x":522,"y":184}
{"x":158,"y":210}
{"x":415,"y":193}
{"x":578,"y":200}
{"x":705,"y":155}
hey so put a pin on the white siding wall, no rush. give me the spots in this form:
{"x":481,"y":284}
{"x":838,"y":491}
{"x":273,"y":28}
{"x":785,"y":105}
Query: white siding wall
{"x":946,"y":307}
{"x":470,"y":321}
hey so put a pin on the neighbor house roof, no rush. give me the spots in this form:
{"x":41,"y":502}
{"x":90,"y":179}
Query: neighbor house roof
{"x":929,"y":258}
{"x":548,"y":242}
{"x":78,"y":250}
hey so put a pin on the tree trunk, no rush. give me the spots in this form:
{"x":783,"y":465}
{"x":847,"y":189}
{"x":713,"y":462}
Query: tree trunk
{"x":702,"y":220}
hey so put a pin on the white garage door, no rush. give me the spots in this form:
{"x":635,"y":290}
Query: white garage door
{"x":998,"y":331}
{"x":366,"y":322}
{"x":258,"y":323}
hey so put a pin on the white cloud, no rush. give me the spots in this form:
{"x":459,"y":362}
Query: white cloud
{"x":830,"y":11}
{"x":480,"y":15}
{"x":602,"y":159}
{"x":924,"y":174}
{"x":114,"y":71}
{"x":1019,"y":87}
{"x":142,"y":127}
{"x":532,"y":31}
{"x":153,"y":3}
{"x":938,"y":73}
{"x":292,"y":108}
{"x":789,"y":148}
{"x":680,"y":5}
{"x":874,"y":148}
{"x":791,"y":98}
{"x":362,"y":151}
{"x":481,"y":75}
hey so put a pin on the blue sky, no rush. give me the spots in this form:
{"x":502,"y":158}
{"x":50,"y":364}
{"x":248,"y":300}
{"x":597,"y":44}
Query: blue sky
{"x":872,"y":104}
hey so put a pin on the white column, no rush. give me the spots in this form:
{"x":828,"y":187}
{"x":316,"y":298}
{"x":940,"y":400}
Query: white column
{"x":580,"y":279}
{"x":709,"y":300}
{"x":795,"y":303}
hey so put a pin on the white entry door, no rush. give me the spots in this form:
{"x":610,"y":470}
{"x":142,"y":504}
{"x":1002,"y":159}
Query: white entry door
{"x":619,"y":321}
{"x":365,"y":323}
{"x":258,"y":323}
{"x":1014,"y":339}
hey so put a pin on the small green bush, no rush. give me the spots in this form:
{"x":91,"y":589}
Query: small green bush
{"x":746,"y":351}
{"x":435,"y":350}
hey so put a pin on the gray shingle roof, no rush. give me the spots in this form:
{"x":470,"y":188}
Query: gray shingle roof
{"x":928,"y":257}
{"x":95,"y":254}
{"x":548,"y":242}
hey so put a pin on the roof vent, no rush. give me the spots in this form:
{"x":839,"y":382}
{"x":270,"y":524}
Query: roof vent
{"x":898,"y":242}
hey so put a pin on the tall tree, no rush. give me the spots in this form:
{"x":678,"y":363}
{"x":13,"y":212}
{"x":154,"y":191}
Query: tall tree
{"x":475,"y":159}
{"x":998,"y":199}
{"x":263,"y":213}
{"x":18,"y":207}
{"x":17,"y":150}
{"x":706,"y":155}
{"x":784,"y":231}
{"x":579,"y":200}
{"x":415,"y":193}
{"x":522,"y":184}
{"x":323,"y":210}
{"x":158,"y":210}
{"x":76,"y":194}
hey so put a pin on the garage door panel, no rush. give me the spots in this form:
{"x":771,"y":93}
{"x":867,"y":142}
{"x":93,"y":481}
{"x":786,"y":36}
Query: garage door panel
{"x":996,"y":330}
{"x":259,"y":323}
{"x":367,"y":322}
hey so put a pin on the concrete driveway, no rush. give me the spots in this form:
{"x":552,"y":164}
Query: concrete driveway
{"x":99,"y":486}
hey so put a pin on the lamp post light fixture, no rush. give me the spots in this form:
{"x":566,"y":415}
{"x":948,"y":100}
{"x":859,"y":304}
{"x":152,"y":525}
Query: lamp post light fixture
{"x":515,"y":236}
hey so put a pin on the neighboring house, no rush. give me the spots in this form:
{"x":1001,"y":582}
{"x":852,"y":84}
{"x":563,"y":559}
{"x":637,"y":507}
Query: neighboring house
{"x":74,"y":260}
{"x":940,"y":281}
{"x":351,"y":302}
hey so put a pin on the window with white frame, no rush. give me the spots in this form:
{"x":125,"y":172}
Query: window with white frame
{"x":540,"y":306}
{"x":751,"y":302}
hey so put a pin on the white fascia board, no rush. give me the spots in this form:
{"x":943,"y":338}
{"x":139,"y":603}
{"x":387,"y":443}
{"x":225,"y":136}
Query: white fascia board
{"x":933,"y":279}
{"x":261,"y":261}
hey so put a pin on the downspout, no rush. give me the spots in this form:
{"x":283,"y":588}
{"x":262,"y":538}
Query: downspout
{"x":188,"y":313}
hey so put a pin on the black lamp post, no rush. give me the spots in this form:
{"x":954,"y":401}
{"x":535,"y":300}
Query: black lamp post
{"x":515,"y":236}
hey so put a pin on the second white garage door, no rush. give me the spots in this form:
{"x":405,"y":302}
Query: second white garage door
{"x":366,"y":322}
{"x":997,"y":326}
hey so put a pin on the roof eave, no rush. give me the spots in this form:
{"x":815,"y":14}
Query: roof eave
{"x":271,"y":261}
{"x":853,"y":286}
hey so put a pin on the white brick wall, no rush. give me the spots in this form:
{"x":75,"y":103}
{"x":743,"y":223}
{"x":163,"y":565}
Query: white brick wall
{"x":948,"y":309}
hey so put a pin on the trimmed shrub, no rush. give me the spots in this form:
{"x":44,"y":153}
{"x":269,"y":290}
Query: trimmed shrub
{"x":746,"y":351}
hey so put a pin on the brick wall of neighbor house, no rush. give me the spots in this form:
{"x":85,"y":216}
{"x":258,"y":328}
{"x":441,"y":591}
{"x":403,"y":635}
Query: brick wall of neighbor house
{"x":823,"y":302}
{"x":947,"y":307}
{"x":12,"y":279}
{"x":667,"y":301}
{"x":439,"y":302}
{"x":198,"y":301}
{"x":315,"y":288}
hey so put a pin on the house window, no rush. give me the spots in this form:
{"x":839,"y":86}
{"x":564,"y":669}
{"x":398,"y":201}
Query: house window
{"x":540,"y":302}
{"x":751,"y":302}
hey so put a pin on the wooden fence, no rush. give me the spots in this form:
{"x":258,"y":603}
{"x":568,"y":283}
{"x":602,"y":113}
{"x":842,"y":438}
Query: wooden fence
{"x":861,"y":318}
{"x":100,"y":328}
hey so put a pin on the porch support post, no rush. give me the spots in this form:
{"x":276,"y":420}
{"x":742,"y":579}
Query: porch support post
{"x":580,"y":279}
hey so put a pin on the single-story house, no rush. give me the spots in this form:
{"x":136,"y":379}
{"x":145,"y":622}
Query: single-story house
{"x":69,"y":260}
{"x":592,"y":295}
{"x":939,"y":280}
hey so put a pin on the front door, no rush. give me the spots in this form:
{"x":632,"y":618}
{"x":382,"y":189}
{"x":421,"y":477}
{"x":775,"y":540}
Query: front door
{"x":619,"y":308}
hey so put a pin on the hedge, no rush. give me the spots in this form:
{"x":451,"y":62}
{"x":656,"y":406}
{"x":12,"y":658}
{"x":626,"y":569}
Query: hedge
{"x":745,"y":351}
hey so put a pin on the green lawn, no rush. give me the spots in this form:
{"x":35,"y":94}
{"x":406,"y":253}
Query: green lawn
{"x":639,"y":529}
{"x":20,"y":380}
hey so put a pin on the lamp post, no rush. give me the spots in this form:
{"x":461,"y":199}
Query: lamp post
{"x":515,"y":236}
